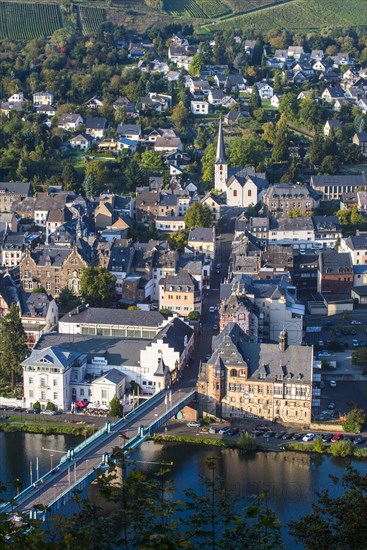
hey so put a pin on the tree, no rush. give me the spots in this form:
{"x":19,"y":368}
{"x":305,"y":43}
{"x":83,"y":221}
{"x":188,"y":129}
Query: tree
{"x":196,"y":65}
{"x":288,"y":106}
{"x":207,"y":163}
{"x":69,"y":177}
{"x":247,"y":150}
{"x":336,"y":522}
{"x":13,"y":346}
{"x":342,"y":448}
{"x":90,"y":185}
{"x":281,"y":142}
{"x":198,"y":215}
{"x":318,"y":446}
{"x":329,"y":165}
{"x":179,"y":115}
{"x":115,"y":406}
{"x":97,"y":286}
{"x":193,"y":316}
{"x":254,"y":101}
{"x":133,"y":308}
{"x":39,"y":290}
{"x":269,"y":133}
{"x":356,"y":218}
{"x":359,"y":357}
{"x":68,"y":300}
{"x":50,"y":406}
{"x":354,"y":421}
{"x":134,"y":175}
{"x":178,"y":240}
{"x":316,"y":151}
{"x":294,"y":213}
{"x":152,"y":160}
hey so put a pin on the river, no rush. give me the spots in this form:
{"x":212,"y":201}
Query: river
{"x":291,"y":479}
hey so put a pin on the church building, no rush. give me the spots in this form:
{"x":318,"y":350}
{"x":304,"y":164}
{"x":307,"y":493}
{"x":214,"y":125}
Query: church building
{"x":242,"y":187}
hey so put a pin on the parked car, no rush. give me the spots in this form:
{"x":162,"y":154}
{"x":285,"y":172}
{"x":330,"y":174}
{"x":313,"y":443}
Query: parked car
{"x":269,"y":434}
{"x":279,"y":435}
{"x":353,"y":332}
{"x":224,"y":431}
{"x":324,"y":353}
{"x":232,"y":431}
{"x":331,"y":406}
{"x":362,"y":343}
{"x":327,"y":438}
{"x":338,"y":332}
{"x":212,"y":430}
{"x":332,"y":384}
{"x":211,"y":309}
{"x":288,"y":436}
{"x":193,"y":424}
{"x":296,"y":436}
{"x":215,"y":327}
{"x":208,"y":356}
{"x":354,"y":322}
{"x":321,"y":343}
{"x":329,"y":324}
{"x":32,"y":411}
{"x":337,"y":437}
{"x":359,"y":440}
{"x":308,"y":437}
{"x":355,"y":342}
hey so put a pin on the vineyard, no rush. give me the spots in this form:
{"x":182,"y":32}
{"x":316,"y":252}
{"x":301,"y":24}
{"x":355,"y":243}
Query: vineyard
{"x":91,"y":19}
{"x":302,"y":15}
{"x":199,"y":9}
{"x":27,"y":21}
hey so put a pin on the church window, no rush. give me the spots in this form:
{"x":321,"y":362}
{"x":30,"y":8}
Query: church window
{"x":249,"y":193}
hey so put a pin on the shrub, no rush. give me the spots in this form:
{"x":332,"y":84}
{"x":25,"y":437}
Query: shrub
{"x":37,"y":406}
{"x":354,"y":421}
{"x":341,"y":448}
{"x":248,"y":442}
{"x":50,"y":406}
{"x":318,"y":446}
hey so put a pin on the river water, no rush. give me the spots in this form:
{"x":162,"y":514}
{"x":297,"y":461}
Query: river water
{"x":291,"y":479}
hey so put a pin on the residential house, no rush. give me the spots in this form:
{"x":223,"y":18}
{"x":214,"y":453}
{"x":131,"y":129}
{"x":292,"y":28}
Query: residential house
{"x":96,"y":127}
{"x":335,"y":272}
{"x":70,"y":122}
{"x":13,"y":249}
{"x":265,"y":90}
{"x":356,"y":246}
{"x":260,"y":380}
{"x":202,"y":239}
{"x":332,"y":124}
{"x":327,"y":231}
{"x":180,"y":293}
{"x":240,"y":310}
{"x":332,"y":94}
{"x":360,"y":139}
{"x":215,"y":203}
{"x":362,"y":104}
{"x":47,"y":110}
{"x":297,"y":232}
{"x":275,"y":100}
{"x":199,"y":107}
{"x":16,"y":97}
{"x":11,"y":192}
{"x":94,"y":103}
{"x":39,"y":315}
{"x":157,"y":102}
{"x":168,"y":144}
{"x":126,"y":105}
{"x":129,"y":131}
{"x":362,"y":201}
{"x":81,"y":141}
{"x":43,"y":98}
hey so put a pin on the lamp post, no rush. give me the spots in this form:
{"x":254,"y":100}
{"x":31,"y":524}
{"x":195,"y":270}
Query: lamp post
{"x":51,"y":461}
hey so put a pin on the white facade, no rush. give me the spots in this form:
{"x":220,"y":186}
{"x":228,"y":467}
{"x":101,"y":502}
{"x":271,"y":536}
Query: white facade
{"x":199,"y":107}
{"x":242,"y":195}
{"x":43,"y":98}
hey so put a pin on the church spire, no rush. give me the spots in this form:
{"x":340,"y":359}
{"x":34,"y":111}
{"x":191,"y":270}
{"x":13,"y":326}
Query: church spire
{"x":220,"y":156}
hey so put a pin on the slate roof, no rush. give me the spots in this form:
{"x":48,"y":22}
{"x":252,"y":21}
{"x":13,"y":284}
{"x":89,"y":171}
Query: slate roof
{"x":96,"y":123}
{"x":176,"y":334}
{"x":15,"y":187}
{"x":267,"y":361}
{"x":182,"y":281}
{"x":338,"y":181}
{"x":118,"y":351}
{"x":113,"y":375}
{"x":357,"y":242}
{"x":106,"y":316}
{"x":8,"y":289}
{"x":332,"y":262}
{"x":292,"y":224}
{"x":34,"y":304}
{"x":51,"y":355}
{"x":202,"y":234}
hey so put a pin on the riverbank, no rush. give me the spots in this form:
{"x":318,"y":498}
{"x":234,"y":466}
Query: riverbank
{"x":51,"y":428}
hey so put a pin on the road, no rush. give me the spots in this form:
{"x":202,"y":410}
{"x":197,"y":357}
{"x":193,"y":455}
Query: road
{"x":71,"y":472}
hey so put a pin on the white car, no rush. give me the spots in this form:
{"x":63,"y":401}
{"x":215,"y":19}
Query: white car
{"x":193,"y":424}
{"x":211,"y":309}
{"x":332,"y":384}
{"x":356,"y":322}
{"x":308,"y":437}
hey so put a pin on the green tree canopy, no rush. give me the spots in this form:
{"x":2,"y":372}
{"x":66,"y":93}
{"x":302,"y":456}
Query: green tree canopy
{"x":97,"y":286}
{"x":281,"y":143}
{"x":354,"y":421}
{"x":255,"y":99}
{"x":13,"y":346}
{"x":247,"y":150}
{"x":68,"y":300}
{"x":196,"y":65}
{"x":359,"y":357}
{"x":198,"y":215}
{"x":115,"y":406}
{"x":179,"y":115}
{"x":207,"y":163}
{"x":152,"y":160}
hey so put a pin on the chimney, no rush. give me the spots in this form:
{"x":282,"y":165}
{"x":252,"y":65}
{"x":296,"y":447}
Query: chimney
{"x":283,"y":340}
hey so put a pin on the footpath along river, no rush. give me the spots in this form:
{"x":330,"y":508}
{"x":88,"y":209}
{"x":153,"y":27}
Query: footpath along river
{"x":291,"y":479}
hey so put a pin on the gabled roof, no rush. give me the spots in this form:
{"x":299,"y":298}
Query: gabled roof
{"x":55,"y":356}
{"x":113,"y":376}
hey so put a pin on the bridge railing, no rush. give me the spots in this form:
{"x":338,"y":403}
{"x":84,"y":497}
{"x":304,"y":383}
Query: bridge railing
{"x":170,"y":412}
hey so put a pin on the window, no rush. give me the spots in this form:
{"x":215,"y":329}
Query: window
{"x":30,"y":393}
{"x":235,"y":192}
{"x":42,"y":382}
{"x":30,"y":381}
{"x":47,"y":274}
{"x":104,"y":394}
{"x":81,"y":392}
{"x":55,"y":381}
{"x":43,"y":395}
{"x":55,"y":396}
{"x":249,"y":193}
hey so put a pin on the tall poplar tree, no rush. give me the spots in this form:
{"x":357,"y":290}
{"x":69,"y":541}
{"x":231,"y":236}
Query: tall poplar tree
{"x":13,"y":346}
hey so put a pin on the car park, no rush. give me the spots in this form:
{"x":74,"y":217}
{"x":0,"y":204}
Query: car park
{"x":308,"y":437}
{"x":269,"y":434}
{"x":193,"y":424}
{"x":332,"y":384}
{"x":337,"y":437}
{"x":279,"y":435}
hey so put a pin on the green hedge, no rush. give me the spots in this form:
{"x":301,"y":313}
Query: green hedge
{"x":48,"y":429}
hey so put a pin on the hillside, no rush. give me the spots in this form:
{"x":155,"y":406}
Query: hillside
{"x":28,"y":19}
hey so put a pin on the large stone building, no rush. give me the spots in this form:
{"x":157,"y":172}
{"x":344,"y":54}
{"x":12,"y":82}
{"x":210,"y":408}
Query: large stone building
{"x":11,"y":192}
{"x":335,"y":272}
{"x":180,"y":293}
{"x":271,"y":381}
{"x":283,"y":198}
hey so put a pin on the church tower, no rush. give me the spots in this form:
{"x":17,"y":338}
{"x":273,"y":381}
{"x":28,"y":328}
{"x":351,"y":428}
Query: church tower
{"x":220,"y":166}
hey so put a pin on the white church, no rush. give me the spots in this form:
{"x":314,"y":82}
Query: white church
{"x":240,"y":186}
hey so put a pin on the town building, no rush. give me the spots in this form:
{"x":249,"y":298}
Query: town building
{"x":180,"y":293}
{"x":333,"y":187}
{"x":335,"y":272}
{"x":284,"y":198}
{"x":257,"y":380}
{"x":11,"y":192}
{"x":202,"y":239}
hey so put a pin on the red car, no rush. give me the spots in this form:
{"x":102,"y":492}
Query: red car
{"x":337,"y":437}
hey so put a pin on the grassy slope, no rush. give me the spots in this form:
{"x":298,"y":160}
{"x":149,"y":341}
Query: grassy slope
{"x":302,"y":15}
